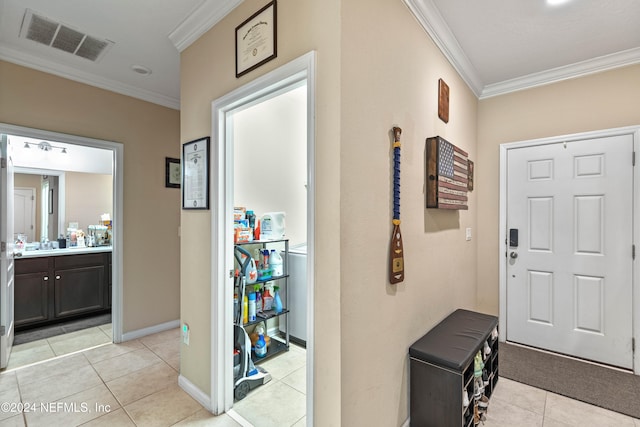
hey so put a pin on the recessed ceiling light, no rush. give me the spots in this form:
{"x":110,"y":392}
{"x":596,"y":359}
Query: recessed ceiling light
{"x":557,"y":2}
{"x":142,"y":70}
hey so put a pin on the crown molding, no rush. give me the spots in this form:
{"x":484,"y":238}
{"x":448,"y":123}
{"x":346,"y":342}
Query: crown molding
{"x":578,"y":69}
{"x":201,"y":20}
{"x":434,"y":24}
{"x":29,"y":61}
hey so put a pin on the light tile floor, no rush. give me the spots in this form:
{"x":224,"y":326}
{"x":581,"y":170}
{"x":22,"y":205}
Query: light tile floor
{"x":135,"y":384}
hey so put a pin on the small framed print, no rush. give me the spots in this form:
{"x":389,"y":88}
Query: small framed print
{"x":443,"y":101}
{"x":195,"y":174}
{"x":256,"y":42}
{"x":172,"y":172}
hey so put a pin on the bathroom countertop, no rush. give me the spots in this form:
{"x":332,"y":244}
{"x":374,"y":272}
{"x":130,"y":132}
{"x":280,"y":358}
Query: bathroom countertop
{"x":58,"y":252}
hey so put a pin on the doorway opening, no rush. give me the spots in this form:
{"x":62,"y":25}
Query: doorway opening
{"x":83,"y":169}
{"x":299,"y":73}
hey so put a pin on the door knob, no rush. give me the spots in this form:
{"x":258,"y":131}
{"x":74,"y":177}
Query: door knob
{"x":513,"y":255}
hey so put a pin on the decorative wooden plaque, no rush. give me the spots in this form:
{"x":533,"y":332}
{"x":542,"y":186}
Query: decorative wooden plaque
{"x":443,"y":101}
{"x":447,"y":175}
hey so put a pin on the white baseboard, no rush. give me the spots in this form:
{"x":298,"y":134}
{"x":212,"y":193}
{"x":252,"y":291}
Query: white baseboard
{"x":239,"y":418}
{"x":200,"y":396}
{"x":128,"y":336}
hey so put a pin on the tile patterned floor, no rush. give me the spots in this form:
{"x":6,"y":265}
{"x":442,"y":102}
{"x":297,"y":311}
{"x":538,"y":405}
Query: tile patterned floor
{"x":135,"y":384}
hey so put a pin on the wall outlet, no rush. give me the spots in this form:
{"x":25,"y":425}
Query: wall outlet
{"x":185,"y":333}
{"x":468,"y":233}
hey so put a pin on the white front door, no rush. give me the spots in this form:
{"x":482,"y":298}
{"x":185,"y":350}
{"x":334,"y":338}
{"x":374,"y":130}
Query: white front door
{"x":24,"y":218}
{"x":6,"y":251}
{"x":569,"y":274}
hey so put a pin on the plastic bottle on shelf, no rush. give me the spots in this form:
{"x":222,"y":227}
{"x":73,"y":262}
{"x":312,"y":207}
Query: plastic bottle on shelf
{"x":256,"y":255}
{"x":245,"y":309}
{"x":277,"y":300}
{"x":252,"y":271}
{"x":252,"y":307}
{"x":275,"y":261}
{"x":261,"y":347}
{"x":256,"y":290}
{"x":251,"y":218}
{"x":267,"y":299}
{"x":256,"y":231}
{"x":235,"y":306}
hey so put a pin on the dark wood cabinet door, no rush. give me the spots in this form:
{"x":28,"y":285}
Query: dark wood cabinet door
{"x":79,"y":290}
{"x":31,"y":299}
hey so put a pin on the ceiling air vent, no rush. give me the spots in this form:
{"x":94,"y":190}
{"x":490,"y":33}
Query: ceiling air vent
{"x":46,"y":31}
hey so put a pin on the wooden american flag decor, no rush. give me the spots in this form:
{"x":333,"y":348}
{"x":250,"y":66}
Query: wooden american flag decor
{"x":447,"y":175}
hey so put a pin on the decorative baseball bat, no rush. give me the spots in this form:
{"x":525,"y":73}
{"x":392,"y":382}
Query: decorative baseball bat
{"x":396,"y":255}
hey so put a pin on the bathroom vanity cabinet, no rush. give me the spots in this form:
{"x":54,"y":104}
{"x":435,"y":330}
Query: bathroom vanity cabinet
{"x":49,"y":288}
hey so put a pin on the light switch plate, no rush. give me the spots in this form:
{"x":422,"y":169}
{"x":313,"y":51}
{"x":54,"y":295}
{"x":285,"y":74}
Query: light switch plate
{"x":468,"y":233}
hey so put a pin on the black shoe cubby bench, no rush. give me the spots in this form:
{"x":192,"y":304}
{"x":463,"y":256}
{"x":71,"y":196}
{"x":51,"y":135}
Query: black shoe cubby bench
{"x":442,"y":365}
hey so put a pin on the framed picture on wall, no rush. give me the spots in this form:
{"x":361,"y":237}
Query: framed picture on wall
{"x":172,"y":172}
{"x":256,"y":39}
{"x":195,"y":174}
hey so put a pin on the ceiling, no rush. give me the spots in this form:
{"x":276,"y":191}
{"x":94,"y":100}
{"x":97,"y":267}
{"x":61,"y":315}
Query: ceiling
{"x":147,"y":33}
{"x":497,"y":46}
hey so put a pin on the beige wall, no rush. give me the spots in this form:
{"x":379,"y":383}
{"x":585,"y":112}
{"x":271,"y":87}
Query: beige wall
{"x":390,"y":72}
{"x":149,"y":133}
{"x":87,"y":196}
{"x":376,"y":68}
{"x":600,"y":101}
{"x":208,"y":72}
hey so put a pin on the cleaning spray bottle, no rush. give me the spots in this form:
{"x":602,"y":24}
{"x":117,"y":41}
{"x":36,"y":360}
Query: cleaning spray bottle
{"x":277,"y":300}
{"x":267,"y":299}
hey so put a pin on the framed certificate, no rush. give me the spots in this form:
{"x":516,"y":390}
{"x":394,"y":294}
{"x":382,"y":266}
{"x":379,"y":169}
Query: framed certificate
{"x":256,"y":40}
{"x":195,"y":174}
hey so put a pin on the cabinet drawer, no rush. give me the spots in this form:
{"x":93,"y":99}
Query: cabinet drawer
{"x":75,"y":261}
{"x":31,"y":265}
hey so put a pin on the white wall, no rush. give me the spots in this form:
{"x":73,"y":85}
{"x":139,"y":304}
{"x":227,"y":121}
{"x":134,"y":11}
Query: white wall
{"x":270,"y":160}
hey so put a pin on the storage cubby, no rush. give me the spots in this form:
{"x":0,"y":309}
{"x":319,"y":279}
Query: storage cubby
{"x":442,"y":369}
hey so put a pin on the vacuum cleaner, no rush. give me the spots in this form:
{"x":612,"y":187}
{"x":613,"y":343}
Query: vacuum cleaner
{"x":246,"y":375}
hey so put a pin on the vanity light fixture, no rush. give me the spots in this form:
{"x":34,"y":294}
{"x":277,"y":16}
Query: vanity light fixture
{"x":45,"y":146}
